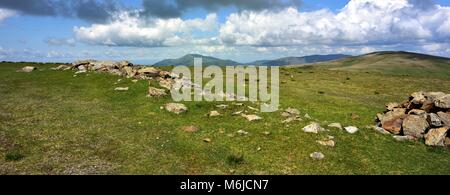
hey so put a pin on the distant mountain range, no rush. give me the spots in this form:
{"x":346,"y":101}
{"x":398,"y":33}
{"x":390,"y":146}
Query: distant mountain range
{"x":299,"y":60}
{"x":189,"y":60}
{"x":207,"y":60}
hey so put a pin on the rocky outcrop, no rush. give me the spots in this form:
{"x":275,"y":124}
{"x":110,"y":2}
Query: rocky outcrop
{"x":424,"y":115}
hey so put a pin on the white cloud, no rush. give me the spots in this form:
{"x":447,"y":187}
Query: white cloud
{"x":131,"y":30}
{"x":360,"y":22}
{"x":4,"y":13}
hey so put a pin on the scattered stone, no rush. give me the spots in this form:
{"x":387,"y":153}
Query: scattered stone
{"x":213,"y":113}
{"x":266,"y":133}
{"x":351,"y":129}
{"x":434,"y":120}
{"x":317,"y":155}
{"x":291,"y":119}
{"x":190,"y":128}
{"x":222,"y":106}
{"x":336,"y":125}
{"x":379,"y":129}
{"x":355,"y":116}
{"x":251,"y":117}
{"x":329,"y":143}
{"x":238,"y":112}
{"x":307,"y":116}
{"x":242,"y":132}
{"x":415,"y":126}
{"x":176,"y":108}
{"x":290,"y":112}
{"x":238,"y":104}
{"x":155,"y":92}
{"x":61,"y":67}
{"x":134,"y":80}
{"x":404,"y":138}
{"x":443,"y":101}
{"x":231,"y":135}
{"x":436,"y":137}
{"x":258,"y":149}
{"x":313,"y":128}
{"x":254,"y":109}
{"x":207,"y":140}
{"x":121,"y":89}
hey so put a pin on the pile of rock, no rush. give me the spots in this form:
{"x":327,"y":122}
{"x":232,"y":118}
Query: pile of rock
{"x":122,"y":68}
{"x":125,"y":69}
{"x":424,"y":115}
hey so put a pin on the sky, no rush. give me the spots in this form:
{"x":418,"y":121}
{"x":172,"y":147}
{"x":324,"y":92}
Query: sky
{"x":147,"y":31}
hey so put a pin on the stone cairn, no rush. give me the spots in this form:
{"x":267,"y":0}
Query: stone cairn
{"x":125,"y":69}
{"x":425,"y":115}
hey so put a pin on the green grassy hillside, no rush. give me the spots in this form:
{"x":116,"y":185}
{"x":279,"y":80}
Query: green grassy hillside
{"x":54,"y":123}
{"x":396,"y":63}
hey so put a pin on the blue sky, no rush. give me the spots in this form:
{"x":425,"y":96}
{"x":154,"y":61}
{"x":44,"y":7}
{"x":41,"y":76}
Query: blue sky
{"x":146,"y":31}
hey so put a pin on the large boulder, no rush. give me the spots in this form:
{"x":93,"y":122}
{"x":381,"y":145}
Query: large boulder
{"x":392,"y":120}
{"x":445,"y":117}
{"x":393,"y":126}
{"x":392,"y":115}
{"x":443,"y":101}
{"x":434,"y":120}
{"x":418,"y":97}
{"x":436,"y":137}
{"x":431,"y":96}
{"x":415,"y":125}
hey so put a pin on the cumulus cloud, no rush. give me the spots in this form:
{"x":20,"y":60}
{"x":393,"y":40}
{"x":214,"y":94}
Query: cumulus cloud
{"x":91,"y":10}
{"x":4,"y":13}
{"x":130,"y":30}
{"x":175,"y":8}
{"x":360,"y":22}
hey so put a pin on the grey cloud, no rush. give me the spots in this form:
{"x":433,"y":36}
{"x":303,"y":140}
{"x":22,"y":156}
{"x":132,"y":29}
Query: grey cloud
{"x":168,"y":9}
{"x":91,"y":10}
